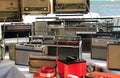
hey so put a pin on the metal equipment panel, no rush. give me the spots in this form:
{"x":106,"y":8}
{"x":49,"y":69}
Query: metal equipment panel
{"x":40,"y":28}
{"x":99,"y":48}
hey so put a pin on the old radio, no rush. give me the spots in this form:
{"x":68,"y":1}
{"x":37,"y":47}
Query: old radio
{"x":113,"y":55}
{"x":63,"y":51}
{"x":15,"y":30}
{"x":10,"y":10}
{"x":68,"y":6}
{"x":86,"y":34}
{"x":37,"y":61}
{"x":65,"y":46}
{"x":99,"y":48}
{"x":36,"y":6}
{"x":22,"y":54}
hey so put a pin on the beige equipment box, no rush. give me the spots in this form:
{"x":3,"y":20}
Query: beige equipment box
{"x":99,"y":48}
{"x":10,"y":10}
{"x":113,"y":56}
{"x":36,"y":6}
{"x":71,"y":6}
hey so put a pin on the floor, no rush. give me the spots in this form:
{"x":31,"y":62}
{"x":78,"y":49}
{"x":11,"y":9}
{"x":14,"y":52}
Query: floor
{"x":25,"y":69}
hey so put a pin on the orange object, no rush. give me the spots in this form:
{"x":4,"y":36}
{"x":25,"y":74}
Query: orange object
{"x":102,"y":75}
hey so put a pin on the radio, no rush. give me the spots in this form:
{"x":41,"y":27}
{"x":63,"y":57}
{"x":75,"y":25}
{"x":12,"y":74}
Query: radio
{"x":68,"y":6}
{"x":15,"y":30}
{"x":112,"y":55}
{"x":10,"y":10}
{"x":99,"y":48}
{"x":36,"y":6}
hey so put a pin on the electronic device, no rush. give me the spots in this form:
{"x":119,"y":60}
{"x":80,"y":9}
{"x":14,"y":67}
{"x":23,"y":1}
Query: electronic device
{"x":35,"y":6}
{"x":10,"y":11}
{"x":68,"y":6}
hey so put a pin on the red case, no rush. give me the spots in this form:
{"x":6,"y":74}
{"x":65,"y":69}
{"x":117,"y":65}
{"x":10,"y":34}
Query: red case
{"x":77,"y":69}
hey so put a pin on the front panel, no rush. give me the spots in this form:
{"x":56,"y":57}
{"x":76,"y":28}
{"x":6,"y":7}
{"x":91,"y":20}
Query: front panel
{"x":36,"y":6}
{"x":99,"y":52}
{"x":99,"y":48}
{"x":100,"y":41}
{"x":16,"y":30}
{"x":68,"y":6}
{"x":10,"y":10}
{"x":22,"y":54}
{"x":62,"y":52}
{"x":40,"y":28}
{"x":113,"y":56}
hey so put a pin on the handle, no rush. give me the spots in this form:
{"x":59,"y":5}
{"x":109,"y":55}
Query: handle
{"x":80,"y":49}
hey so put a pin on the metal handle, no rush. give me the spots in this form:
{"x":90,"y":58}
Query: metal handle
{"x":80,"y":49}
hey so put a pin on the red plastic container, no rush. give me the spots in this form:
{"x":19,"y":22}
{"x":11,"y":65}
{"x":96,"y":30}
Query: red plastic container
{"x":76,"y":68}
{"x":36,"y":75}
{"x":47,"y":72}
